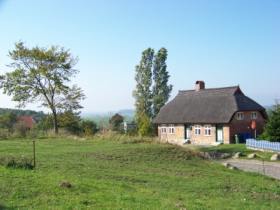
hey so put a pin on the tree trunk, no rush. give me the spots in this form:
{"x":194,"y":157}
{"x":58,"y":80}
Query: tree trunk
{"x":55,"y":122}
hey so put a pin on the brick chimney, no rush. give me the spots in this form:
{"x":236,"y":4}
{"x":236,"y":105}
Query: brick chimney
{"x":199,"y":85}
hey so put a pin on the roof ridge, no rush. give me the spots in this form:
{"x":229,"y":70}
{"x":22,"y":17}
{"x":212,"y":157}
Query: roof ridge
{"x":221,"y":88}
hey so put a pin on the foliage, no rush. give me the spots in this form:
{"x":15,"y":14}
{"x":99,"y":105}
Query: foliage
{"x":20,"y":129}
{"x":45,"y":124}
{"x":116,"y":121}
{"x":37,"y":116}
{"x":161,"y":89}
{"x":42,"y":75}
{"x":144,"y":126}
{"x":7,"y":120}
{"x":70,"y":121}
{"x":148,"y":99}
{"x":88,"y":127}
{"x":108,"y":174}
{"x":143,"y":93}
{"x":272,"y":128}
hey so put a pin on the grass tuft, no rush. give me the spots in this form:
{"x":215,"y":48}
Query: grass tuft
{"x":15,"y":162}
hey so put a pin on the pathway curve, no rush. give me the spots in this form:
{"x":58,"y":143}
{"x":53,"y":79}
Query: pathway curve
{"x":271,"y":169}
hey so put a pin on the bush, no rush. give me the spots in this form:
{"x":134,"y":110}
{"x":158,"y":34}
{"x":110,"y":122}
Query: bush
{"x":115,"y":122}
{"x":13,"y":162}
{"x":144,"y":126}
{"x":88,"y":127}
{"x":20,"y":129}
{"x":4,"y":133}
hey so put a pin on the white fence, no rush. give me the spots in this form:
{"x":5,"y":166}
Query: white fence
{"x":263,"y":145}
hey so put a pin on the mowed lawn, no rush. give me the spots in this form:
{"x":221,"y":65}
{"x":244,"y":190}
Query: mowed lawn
{"x":117,"y":174}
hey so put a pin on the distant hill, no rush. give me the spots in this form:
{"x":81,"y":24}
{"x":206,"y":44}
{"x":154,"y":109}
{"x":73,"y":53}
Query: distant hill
{"x":102,"y":118}
{"x":37,"y":116}
{"x":270,"y":107}
{"x":127,"y":112}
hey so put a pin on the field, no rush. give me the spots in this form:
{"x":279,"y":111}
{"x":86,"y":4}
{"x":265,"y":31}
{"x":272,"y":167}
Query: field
{"x":124,"y":174}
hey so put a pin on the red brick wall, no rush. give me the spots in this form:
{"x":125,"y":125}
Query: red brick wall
{"x":244,"y":126}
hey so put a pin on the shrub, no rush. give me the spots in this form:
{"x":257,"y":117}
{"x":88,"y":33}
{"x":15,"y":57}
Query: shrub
{"x":88,"y":127}
{"x":20,"y":129}
{"x":115,"y":122}
{"x":144,"y":126}
{"x":13,"y":162}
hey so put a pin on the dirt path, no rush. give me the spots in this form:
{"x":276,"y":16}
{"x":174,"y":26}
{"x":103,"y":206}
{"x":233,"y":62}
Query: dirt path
{"x":271,"y":169}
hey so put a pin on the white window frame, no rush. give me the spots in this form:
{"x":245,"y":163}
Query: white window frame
{"x":254,"y":115}
{"x":163,"y":130}
{"x":207,"y":130}
{"x":171,"y":129}
{"x":240,"y":115}
{"x":197,"y":130}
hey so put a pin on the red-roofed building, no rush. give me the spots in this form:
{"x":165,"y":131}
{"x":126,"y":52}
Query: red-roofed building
{"x":27,"y":120}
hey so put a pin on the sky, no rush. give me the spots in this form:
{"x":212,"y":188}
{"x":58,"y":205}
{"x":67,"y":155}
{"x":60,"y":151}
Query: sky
{"x":223,"y":42}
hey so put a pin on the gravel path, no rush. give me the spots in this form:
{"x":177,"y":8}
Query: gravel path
{"x":271,"y":169}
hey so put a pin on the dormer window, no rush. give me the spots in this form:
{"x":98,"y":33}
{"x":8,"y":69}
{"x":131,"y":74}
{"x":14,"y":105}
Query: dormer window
{"x":254,"y":115}
{"x":240,"y":116}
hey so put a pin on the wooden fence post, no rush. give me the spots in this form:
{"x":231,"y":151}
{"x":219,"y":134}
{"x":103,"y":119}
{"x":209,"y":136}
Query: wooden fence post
{"x":34,"y":156}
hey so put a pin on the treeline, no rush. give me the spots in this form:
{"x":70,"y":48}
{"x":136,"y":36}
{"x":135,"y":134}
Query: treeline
{"x":22,"y":123}
{"x":16,"y":123}
{"x":37,"y":116}
{"x":43,"y":76}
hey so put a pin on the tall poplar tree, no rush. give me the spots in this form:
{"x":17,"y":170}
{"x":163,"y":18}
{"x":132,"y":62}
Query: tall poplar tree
{"x":143,"y":92}
{"x":161,"y":88}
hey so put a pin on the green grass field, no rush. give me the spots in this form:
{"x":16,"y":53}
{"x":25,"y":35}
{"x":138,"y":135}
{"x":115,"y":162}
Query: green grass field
{"x":118,"y":174}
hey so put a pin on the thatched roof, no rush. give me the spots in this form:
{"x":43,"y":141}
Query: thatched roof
{"x":216,"y":105}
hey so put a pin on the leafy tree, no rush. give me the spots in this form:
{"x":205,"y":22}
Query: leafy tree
{"x":115,"y":122}
{"x":143,"y":93}
{"x":43,"y":75}
{"x":161,"y":89}
{"x":88,"y":127}
{"x":272,"y":128}
{"x":70,"y":121}
{"x":8,"y":120}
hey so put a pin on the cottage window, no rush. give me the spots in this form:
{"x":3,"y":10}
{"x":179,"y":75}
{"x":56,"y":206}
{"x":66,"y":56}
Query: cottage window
{"x":163,"y":130}
{"x":171,"y":129}
{"x":207,"y":130}
{"x":197,"y":130}
{"x":253,"y":115}
{"x":240,"y":116}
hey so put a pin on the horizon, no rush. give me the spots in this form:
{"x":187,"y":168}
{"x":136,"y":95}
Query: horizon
{"x":222,"y":43}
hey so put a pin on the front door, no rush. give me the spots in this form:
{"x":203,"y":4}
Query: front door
{"x":187,"y":132}
{"x":220,"y":134}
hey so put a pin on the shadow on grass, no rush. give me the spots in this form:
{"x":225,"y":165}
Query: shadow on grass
{"x":3,"y":207}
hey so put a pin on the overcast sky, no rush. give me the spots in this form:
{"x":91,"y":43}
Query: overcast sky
{"x":224,"y":43}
